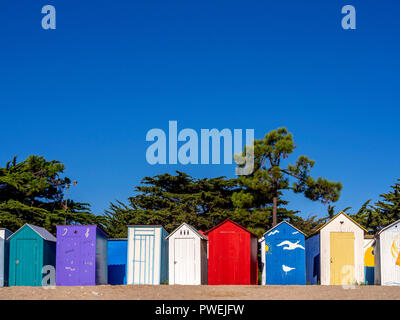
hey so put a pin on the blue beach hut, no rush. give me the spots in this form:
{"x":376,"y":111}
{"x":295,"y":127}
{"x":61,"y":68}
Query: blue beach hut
{"x":283,"y":256}
{"x":117,"y":256}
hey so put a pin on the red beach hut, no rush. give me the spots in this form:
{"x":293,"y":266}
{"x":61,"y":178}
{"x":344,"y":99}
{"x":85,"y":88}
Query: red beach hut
{"x":232,"y":255}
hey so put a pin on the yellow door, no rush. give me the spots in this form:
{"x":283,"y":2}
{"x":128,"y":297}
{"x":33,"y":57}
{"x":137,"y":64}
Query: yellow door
{"x":342,"y":258}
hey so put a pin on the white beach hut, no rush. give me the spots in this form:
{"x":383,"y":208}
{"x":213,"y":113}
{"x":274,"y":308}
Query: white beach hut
{"x":147,"y":256}
{"x":187,"y":256}
{"x":387,"y":255}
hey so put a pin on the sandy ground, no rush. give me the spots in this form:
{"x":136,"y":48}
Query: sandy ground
{"x":163,"y":292}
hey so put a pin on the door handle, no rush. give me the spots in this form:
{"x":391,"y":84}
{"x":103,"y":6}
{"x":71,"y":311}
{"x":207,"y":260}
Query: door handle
{"x":331,"y":260}
{"x":16,"y":261}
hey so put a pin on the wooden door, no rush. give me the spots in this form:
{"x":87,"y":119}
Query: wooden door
{"x":342,"y":258}
{"x":26,"y":263}
{"x":184,"y":261}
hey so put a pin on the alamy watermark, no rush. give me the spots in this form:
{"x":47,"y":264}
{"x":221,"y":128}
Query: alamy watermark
{"x":190,"y":151}
{"x":49,"y":278}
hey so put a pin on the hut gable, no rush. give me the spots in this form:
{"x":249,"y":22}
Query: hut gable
{"x":42,"y":232}
{"x":393,"y":227}
{"x":339,"y":219}
{"x":184,"y":229}
{"x":230,"y":224}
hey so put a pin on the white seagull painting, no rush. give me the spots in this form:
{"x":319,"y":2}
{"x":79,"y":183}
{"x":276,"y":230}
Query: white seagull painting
{"x":273,"y":232}
{"x":290,"y":245}
{"x":287,"y":269}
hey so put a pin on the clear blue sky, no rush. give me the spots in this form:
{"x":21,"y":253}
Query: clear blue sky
{"x":88,"y":92}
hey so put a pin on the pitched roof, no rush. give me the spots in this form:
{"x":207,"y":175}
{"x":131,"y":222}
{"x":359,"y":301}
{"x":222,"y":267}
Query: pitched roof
{"x":338,"y":214}
{"x":42,"y":232}
{"x":387,"y":227}
{"x":279,"y":225}
{"x":228,"y":220}
{"x":201,"y":235}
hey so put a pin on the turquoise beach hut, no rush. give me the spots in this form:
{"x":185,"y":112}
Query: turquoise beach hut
{"x":31,"y":248}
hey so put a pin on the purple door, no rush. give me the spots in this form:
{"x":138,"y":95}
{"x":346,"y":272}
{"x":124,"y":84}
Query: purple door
{"x":76,"y":256}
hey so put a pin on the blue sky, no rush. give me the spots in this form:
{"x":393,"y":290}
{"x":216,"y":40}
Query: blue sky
{"x":88,"y":92}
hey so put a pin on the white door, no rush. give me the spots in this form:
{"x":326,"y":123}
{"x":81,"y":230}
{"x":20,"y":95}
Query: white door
{"x":184,"y":261}
{"x":392,"y":268}
{"x":143,"y":259}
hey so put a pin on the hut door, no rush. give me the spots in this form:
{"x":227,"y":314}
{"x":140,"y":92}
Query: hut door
{"x":392,"y":266}
{"x":184,"y":262}
{"x":71,"y":262}
{"x":143,"y":258}
{"x":26,"y":261}
{"x":229,"y":258}
{"x":342,"y":258}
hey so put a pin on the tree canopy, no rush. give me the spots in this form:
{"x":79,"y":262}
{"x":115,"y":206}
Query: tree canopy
{"x":382,"y":213}
{"x":272,"y":174}
{"x":32,"y":192}
{"x":170,"y":200}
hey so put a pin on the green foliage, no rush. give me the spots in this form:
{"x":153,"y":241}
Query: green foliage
{"x":308,"y":225}
{"x":32,"y":192}
{"x":170,"y":200}
{"x":382,"y":213}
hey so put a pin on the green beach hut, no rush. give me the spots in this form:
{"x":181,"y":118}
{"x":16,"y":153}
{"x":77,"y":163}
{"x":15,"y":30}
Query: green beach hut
{"x":31,"y":248}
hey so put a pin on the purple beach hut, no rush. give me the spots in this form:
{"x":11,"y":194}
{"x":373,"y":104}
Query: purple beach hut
{"x":81,"y":256}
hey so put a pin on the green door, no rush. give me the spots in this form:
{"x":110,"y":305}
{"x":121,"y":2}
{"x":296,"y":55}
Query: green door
{"x":26,"y":261}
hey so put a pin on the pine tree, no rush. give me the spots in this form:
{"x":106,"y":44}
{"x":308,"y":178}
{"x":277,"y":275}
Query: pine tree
{"x":388,"y":209}
{"x":32,"y":192}
{"x":271,"y":176}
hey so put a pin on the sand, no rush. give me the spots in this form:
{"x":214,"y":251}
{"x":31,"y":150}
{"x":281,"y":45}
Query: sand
{"x":166,"y":292}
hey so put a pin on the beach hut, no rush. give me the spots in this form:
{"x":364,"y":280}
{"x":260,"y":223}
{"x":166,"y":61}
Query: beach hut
{"x":4,"y":255}
{"x":117,"y":256}
{"x":81,"y":255}
{"x":334,"y":253}
{"x":369,"y":260}
{"x":283,"y":255}
{"x":232,"y":255}
{"x":147,"y":255}
{"x":31,"y":248}
{"x":187,"y":256}
{"x":387,"y":255}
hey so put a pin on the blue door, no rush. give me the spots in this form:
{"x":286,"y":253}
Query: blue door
{"x":26,"y":263}
{"x":285,"y":257}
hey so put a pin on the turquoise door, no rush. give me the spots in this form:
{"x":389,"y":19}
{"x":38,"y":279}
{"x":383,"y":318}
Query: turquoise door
{"x":26,"y":263}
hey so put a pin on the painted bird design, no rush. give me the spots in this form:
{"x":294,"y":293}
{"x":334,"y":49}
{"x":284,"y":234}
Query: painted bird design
{"x":290,"y":245}
{"x":287,"y":269}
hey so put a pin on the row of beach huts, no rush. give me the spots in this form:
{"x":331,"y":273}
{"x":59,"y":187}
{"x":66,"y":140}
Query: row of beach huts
{"x":338,"y":253}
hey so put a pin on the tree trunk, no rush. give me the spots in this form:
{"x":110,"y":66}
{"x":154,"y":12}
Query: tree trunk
{"x":274,"y":211}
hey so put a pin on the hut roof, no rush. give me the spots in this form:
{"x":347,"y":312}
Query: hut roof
{"x":42,"y":232}
{"x":387,"y":227}
{"x":233,"y":222}
{"x":337,"y":215}
{"x":200,"y":234}
{"x":270,"y":229}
